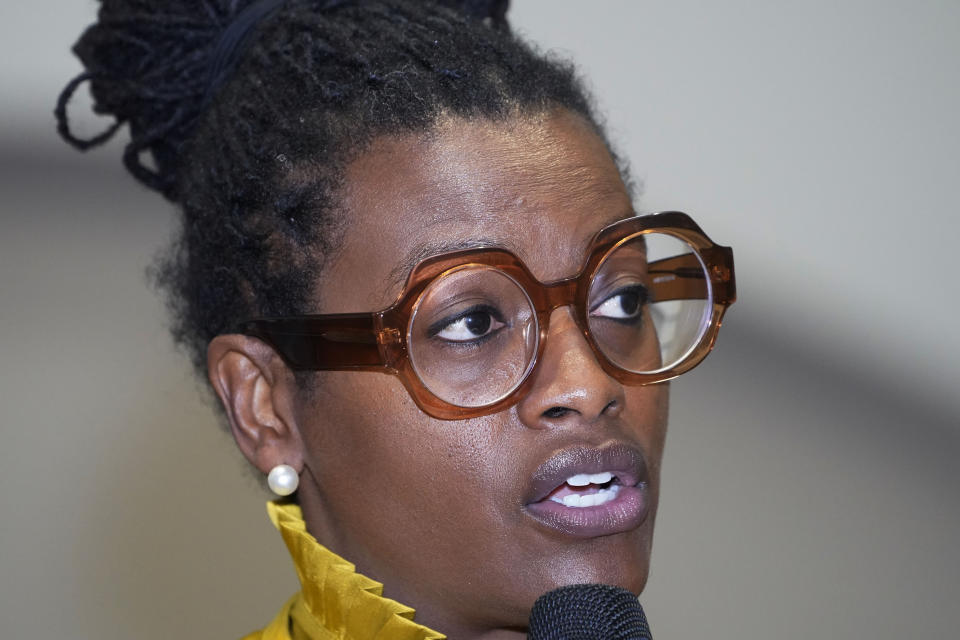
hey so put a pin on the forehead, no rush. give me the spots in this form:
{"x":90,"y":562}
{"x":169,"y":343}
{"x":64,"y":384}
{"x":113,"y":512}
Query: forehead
{"x":538,"y":186}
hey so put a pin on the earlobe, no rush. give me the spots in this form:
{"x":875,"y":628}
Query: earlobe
{"x":254,"y":387}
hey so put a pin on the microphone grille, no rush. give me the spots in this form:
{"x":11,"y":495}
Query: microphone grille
{"x":588,"y":612}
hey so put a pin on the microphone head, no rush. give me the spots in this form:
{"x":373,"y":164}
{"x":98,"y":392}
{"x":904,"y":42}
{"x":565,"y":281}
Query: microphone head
{"x":588,"y":612}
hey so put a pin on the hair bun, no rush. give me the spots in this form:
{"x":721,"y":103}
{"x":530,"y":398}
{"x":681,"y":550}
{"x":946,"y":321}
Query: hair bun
{"x":154,"y":65}
{"x":148,"y":64}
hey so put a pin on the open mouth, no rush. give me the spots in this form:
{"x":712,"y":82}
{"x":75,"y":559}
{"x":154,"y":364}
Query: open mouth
{"x":588,"y":492}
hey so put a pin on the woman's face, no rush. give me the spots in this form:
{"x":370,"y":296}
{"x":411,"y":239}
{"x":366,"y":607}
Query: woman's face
{"x":453,"y":516}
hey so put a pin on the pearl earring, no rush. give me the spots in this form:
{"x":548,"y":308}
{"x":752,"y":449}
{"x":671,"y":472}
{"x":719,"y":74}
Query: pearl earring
{"x":283,"y":479}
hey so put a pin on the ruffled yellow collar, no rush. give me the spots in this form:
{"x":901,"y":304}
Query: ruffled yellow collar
{"x":335,"y":602}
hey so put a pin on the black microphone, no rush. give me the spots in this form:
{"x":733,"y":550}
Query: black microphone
{"x":588,"y":612}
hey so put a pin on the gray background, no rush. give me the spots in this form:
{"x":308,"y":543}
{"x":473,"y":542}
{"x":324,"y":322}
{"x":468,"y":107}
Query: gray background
{"x":811,"y":485}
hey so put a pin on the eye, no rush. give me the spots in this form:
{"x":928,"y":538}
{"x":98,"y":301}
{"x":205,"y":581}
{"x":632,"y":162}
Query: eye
{"x":624,"y":305}
{"x":473,"y":324}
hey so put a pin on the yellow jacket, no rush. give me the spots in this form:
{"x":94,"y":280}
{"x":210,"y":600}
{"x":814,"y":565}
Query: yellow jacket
{"x":335,"y":602}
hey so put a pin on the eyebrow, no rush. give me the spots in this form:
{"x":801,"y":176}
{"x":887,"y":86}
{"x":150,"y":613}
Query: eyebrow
{"x":398,"y":275}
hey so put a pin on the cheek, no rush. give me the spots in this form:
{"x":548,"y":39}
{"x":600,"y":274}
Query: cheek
{"x":392,"y":478}
{"x":416,"y":503}
{"x":647,"y":414}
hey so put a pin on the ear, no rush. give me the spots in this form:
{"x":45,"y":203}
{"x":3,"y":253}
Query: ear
{"x":257,"y":391}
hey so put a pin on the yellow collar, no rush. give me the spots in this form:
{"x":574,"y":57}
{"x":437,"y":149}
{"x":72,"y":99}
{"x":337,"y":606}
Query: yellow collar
{"x":335,"y":601}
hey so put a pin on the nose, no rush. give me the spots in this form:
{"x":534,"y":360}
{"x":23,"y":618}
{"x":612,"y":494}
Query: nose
{"x":569,"y":382}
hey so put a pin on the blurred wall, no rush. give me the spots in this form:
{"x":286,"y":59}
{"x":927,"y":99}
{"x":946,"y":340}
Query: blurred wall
{"x":811,"y":484}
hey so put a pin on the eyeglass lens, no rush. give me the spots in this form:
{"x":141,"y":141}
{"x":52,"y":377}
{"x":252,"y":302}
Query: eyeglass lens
{"x":473,"y":334}
{"x":650,"y":303}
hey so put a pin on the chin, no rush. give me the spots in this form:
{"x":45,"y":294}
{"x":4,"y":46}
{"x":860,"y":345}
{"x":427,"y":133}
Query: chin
{"x":622,"y":561}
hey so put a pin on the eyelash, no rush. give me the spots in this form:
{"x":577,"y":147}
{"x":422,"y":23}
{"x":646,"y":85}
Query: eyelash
{"x":644,"y":299}
{"x":438,"y":326}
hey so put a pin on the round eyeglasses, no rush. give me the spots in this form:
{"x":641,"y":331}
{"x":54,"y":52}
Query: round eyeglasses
{"x":467,"y":331}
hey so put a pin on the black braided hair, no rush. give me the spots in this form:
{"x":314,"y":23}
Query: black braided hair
{"x":255,"y":164}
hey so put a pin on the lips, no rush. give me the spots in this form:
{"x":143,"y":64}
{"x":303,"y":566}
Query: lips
{"x":586,"y":492}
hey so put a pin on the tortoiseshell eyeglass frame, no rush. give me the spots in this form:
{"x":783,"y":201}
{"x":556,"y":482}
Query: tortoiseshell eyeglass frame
{"x":377,"y":341}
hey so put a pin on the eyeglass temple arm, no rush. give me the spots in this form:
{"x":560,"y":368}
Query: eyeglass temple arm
{"x":342,"y":341}
{"x":681,"y":277}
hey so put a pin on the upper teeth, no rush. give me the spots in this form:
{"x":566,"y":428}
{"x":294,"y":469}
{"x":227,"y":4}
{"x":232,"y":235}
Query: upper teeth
{"x":583,"y":479}
{"x":602,"y":496}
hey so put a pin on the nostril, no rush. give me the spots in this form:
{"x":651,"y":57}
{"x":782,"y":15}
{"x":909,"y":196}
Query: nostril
{"x":556,"y":412}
